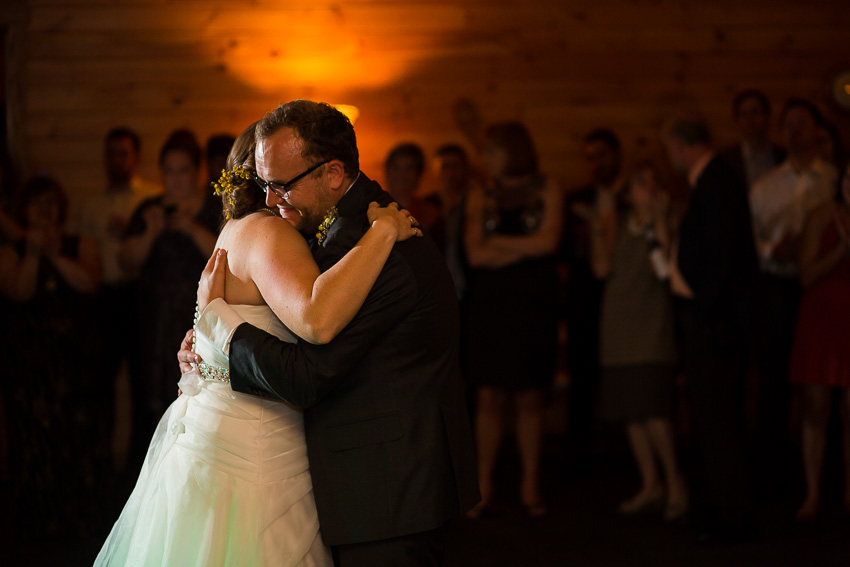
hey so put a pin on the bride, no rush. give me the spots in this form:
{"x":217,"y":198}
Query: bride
{"x":226,"y":479}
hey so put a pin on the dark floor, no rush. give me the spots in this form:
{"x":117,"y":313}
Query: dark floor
{"x":583,"y":528}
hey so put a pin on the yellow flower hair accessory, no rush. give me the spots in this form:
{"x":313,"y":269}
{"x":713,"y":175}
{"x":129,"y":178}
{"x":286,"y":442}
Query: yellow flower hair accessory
{"x":225,"y":183}
{"x":326,"y":225}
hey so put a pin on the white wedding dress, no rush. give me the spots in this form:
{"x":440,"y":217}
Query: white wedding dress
{"x":225,"y":482}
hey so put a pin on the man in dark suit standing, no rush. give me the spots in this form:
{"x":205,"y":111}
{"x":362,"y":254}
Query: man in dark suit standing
{"x":583,"y":290}
{"x":714,"y":271}
{"x":388,"y":434}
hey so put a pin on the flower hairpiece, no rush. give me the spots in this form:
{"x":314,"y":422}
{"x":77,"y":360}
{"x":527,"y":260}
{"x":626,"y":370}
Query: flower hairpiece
{"x":225,"y":183}
{"x":327,"y":223}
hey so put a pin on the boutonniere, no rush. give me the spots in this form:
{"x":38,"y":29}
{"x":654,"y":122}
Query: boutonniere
{"x":326,"y":225}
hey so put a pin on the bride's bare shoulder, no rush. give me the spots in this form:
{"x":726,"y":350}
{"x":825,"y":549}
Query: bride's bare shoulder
{"x":259,"y":240}
{"x":258,"y":227}
{"x":252,"y":242}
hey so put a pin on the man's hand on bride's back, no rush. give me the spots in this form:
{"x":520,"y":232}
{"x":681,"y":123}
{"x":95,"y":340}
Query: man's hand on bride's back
{"x":211,"y":286}
{"x":186,"y":356}
{"x":391,"y":217}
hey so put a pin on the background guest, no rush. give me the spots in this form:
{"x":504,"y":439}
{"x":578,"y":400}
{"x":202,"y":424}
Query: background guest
{"x":167,"y":243}
{"x":637,"y":340}
{"x":780,"y":202}
{"x":51,"y":404}
{"x":830,"y":147}
{"x":820,"y":362}
{"x":454,"y":179}
{"x":754,"y":155}
{"x":403,"y":171}
{"x":217,"y":149}
{"x":104,"y":218}
{"x":712,"y":275}
{"x":512,"y":232}
{"x":583,"y":293}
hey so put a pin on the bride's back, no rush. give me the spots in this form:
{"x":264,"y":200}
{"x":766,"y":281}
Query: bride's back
{"x":235,"y":237}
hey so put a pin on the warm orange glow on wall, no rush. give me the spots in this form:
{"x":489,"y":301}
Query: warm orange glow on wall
{"x":336,"y":49}
{"x":318,"y":66}
{"x":351,"y":112}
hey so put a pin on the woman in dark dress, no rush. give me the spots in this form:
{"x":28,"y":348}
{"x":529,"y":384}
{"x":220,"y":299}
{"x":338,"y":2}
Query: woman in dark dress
{"x":50,"y":279}
{"x":168,"y":241}
{"x":512,"y":231}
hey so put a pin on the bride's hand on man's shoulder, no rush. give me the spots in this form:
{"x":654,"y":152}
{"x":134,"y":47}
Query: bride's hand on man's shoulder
{"x":399,"y":220}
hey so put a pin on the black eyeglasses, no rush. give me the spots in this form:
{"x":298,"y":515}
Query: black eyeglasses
{"x":282,"y":189}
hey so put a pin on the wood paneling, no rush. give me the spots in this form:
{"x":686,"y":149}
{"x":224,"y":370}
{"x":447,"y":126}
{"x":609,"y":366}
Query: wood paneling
{"x":563,"y":67}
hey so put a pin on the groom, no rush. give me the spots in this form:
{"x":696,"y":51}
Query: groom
{"x":388,"y":435}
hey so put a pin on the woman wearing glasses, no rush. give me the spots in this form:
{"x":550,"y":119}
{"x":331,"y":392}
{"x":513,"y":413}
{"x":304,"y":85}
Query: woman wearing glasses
{"x":226,"y":479}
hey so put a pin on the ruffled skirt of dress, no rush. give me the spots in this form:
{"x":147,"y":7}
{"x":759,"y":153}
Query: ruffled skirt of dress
{"x":225,"y":482}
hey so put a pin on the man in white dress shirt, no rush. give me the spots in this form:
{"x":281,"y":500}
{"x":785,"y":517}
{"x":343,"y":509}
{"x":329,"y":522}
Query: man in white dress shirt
{"x":780,"y":201}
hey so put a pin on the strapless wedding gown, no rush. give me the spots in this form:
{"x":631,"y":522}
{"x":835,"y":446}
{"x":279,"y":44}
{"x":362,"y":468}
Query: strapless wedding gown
{"x":225,"y":482}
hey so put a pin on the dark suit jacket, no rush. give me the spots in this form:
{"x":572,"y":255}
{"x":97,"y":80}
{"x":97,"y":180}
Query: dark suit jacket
{"x":717,"y":254}
{"x":734,"y":157}
{"x":388,"y":433}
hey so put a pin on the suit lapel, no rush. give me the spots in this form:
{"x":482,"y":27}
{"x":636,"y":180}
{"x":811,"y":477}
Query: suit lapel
{"x":354,"y":204}
{"x":357,"y":199}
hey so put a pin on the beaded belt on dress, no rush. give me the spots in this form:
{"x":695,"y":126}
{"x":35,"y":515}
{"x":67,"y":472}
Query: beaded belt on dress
{"x":214,"y":373}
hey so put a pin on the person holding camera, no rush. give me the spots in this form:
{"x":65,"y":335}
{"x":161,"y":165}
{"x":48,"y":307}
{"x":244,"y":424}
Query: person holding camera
{"x":167,"y":243}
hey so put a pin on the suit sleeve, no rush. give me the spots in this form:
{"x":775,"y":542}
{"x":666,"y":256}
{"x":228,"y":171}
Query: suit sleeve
{"x":302,"y":373}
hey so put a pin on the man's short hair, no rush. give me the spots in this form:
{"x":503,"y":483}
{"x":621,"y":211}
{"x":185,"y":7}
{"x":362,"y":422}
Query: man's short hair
{"x":326,"y":132}
{"x":807,"y":105}
{"x":748,"y":94}
{"x":410,"y":150}
{"x":604,"y":135}
{"x":691,"y":130}
{"x":121,"y":132}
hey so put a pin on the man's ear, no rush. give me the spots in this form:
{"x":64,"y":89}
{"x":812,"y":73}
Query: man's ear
{"x":336,"y":174}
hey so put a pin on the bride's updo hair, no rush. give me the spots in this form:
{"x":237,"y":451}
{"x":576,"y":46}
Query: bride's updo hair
{"x":241,"y":197}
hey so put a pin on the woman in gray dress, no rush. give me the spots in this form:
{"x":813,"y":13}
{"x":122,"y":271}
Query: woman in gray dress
{"x":637,"y":341}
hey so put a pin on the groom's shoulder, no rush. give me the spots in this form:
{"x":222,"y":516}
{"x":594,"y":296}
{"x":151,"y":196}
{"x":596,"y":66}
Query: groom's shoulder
{"x":363,"y":191}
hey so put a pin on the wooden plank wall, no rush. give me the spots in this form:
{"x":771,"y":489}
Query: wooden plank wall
{"x":561,"y":66}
